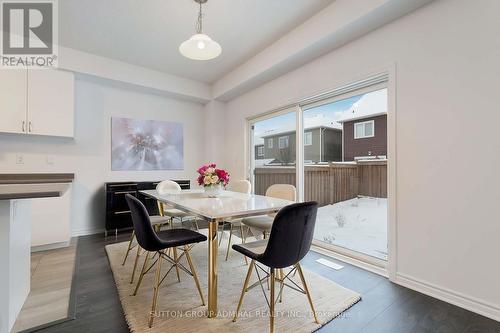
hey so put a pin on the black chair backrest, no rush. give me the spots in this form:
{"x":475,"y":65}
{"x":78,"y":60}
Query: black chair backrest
{"x":146,"y":237}
{"x":291,"y":235}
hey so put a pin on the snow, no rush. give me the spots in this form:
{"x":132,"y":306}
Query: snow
{"x":373,"y":103}
{"x":358,"y":224}
{"x":321,"y":120}
{"x":263,"y":162}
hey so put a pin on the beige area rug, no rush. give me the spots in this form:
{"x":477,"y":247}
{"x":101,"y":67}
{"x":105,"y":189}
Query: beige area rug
{"x":180,"y":304}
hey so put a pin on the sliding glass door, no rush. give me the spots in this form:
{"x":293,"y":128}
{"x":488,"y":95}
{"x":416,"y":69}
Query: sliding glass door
{"x":345,"y":171}
{"x":334,"y":149}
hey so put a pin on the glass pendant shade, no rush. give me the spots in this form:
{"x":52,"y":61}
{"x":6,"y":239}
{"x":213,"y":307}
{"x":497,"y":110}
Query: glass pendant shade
{"x":200,"y":47}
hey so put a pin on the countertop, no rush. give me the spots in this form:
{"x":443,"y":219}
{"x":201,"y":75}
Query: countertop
{"x":36,"y":178}
{"x":34,"y":185}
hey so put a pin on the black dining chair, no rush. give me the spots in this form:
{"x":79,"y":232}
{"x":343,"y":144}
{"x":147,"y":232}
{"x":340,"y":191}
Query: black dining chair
{"x":290,"y":240}
{"x":159,"y":242}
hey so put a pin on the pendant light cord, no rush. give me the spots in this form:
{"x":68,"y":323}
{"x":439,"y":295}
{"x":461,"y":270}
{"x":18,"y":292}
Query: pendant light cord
{"x":199,"y":23}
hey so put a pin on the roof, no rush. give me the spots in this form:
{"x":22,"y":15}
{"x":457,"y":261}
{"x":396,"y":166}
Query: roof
{"x":293,"y":131}
{"x":310,"y":123}
{"x":370,"y":105}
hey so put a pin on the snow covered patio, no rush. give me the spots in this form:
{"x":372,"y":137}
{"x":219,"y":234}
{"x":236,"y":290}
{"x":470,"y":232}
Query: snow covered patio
{"x":358,"y":224}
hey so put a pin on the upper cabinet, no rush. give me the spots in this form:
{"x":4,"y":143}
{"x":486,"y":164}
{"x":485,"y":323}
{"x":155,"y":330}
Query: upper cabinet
{"x":37,"y":102}
{"x":13,"y":85}
{"x":50,"y":102}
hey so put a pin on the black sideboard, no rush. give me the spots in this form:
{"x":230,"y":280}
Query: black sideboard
{"x":117,"y":212}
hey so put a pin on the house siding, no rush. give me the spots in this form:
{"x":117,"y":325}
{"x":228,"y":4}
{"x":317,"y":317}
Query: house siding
{"x":373,"y":146}
{"x":286,"y":155}
{"x":332,"y":145}
{"x":331,"y":141}
{"x":312,"y":152}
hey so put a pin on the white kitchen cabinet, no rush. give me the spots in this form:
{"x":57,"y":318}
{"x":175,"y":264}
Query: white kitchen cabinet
{"x":50,"y":103}
{"x":39,"y":102}
{"x":51,"y":222}
{"x":13,"y":84}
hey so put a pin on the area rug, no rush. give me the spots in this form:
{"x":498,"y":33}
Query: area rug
{"x":181,"y":309}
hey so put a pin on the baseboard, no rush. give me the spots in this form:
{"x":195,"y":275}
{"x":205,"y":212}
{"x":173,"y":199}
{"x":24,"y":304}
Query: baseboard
{"x":469,"y":303}
{"x":47,"y":247}
{"x":86,"y":232}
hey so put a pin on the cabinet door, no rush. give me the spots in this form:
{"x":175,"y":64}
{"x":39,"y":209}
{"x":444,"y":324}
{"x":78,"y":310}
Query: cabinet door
{"x":51,"y":102}
{"x":53,"y":220}
{"x":13,"y":100}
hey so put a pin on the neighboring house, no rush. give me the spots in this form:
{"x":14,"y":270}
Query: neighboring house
{"x":365,"y":127}
{"x":321,"y":144}
{"x":365,"y":137}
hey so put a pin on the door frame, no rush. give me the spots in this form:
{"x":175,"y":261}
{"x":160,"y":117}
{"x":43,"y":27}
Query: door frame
{"x":386,"y":75}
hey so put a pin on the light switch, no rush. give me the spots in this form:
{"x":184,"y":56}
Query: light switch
{"x":19,"y":159}
{"x":50,"y":160}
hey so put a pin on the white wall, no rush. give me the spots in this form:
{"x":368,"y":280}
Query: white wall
{"x":89,"y":154}
{"x":448,"y":151}
{"x":337,"y":24}
{"x":112,"y":69}
{"x":214,"y":122}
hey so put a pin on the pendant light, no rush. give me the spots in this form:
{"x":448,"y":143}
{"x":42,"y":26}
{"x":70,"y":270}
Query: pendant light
{"x":200,"y":46}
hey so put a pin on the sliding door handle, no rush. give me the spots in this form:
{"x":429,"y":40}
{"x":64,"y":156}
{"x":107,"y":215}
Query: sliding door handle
{"x":29,"y":126}
{"x":23,"y":126}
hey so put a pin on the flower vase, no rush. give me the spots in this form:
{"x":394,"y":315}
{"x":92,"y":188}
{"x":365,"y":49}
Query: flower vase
{"x":213,"y":191}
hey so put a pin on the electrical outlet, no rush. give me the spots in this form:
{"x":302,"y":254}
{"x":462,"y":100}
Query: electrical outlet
{"x":19,"y":159}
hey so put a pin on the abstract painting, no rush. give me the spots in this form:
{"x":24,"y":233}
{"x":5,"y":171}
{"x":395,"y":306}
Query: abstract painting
{"x":146,"y":145}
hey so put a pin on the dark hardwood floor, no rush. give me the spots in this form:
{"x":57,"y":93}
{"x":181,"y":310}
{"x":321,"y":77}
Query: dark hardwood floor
{"x":385,"y":307}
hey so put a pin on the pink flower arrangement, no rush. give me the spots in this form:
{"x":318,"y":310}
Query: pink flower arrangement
{"x":209,"y":175}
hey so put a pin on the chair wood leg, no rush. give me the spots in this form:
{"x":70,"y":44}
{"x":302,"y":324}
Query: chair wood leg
{"x":135,"y":264}
{"x":195,"y":275}
{"x":245,"y":285}
{"x":306,"y":289}
{"x":229,"y":241}
{"x":196,"y":224}
{"x":156,"y":289}
{"x":129,"y":247}
{"x":174,"y":250}
{"x":271,"y":301}
{"x":243,"y":241}
{"x":144,"y":265}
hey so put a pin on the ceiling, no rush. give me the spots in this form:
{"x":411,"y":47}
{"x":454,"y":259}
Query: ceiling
{"x":148,"y":32}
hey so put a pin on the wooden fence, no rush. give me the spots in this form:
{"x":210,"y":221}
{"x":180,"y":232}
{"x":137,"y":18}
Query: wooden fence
{"x":331,"y":183}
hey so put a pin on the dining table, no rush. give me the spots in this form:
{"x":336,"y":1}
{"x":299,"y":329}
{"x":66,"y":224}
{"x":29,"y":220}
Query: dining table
{"x":226,"y":207}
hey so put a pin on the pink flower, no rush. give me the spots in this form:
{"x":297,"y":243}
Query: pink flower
{"x":223,"y":175}
{"x":210,"y":171}
{"x":202,"y":170}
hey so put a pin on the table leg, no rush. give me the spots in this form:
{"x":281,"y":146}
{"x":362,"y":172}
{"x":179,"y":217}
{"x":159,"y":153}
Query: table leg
{"x":212,"y":269}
